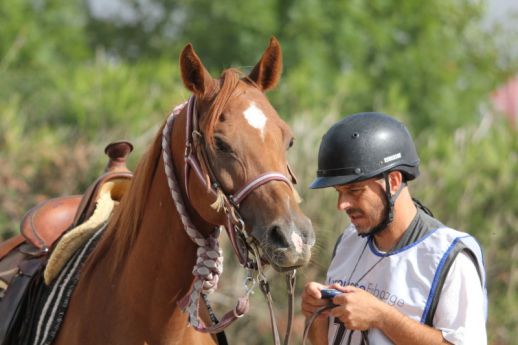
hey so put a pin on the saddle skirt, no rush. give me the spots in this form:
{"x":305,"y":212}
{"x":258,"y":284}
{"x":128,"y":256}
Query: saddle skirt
{"x":70,"y":242}
{"x":54,"y":303}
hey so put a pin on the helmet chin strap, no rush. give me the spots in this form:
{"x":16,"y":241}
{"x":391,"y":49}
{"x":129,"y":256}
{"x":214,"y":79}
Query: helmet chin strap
{"x":389,"y":211}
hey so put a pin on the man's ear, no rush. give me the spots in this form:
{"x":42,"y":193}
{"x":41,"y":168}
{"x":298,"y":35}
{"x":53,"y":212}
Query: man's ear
{"x":395,"y":179}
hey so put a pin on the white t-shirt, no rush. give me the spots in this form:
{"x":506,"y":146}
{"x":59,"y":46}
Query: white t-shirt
{"x":407,"y":278}
{"x":458,"y":314}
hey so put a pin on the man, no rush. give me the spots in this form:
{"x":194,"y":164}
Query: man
{"x":403,"y":277}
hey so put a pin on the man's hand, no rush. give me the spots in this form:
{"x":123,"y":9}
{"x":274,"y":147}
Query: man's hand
{"x":357,"y":309}
{"x":311,"y":301}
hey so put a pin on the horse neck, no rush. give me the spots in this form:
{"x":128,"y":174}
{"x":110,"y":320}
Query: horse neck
{"x":162,"y":251}
{"x":142,"y":285}
{"x":156,"y":258}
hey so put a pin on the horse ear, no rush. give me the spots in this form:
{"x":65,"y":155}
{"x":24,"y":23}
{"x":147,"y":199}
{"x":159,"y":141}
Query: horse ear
{"x":195,"y":76}
{"x":268,"y":70}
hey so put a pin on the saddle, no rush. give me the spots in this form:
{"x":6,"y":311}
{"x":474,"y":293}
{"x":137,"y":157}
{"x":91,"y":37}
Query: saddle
{"x":24,"y":257}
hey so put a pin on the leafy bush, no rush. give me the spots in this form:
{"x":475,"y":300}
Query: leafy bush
{"x":71,"y":82}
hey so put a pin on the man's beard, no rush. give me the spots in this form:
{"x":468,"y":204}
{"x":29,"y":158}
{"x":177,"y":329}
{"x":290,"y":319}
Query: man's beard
{"x":380,"y":226}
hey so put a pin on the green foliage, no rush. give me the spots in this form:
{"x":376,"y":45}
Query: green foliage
{"x":470,"y":184}
{"x":70,"y":83}
{"x":36,"y":33}
{"x":388,"y":48}
{"x":427,"y":61}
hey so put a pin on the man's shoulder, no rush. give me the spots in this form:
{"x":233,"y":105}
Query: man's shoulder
{"x":452,"y":234}
{"x":429,"y":221}
{"x":435,"y":225}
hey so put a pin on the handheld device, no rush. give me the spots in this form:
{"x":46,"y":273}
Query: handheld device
{"x":330,"y":293}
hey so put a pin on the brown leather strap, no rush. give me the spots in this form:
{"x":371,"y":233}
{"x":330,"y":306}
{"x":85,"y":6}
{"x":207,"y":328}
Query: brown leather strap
{"x":255,"y":183}
{"x":10,"y":244}
{"x":290,"y":284}
{"x":265,"y":289}
{"x":15,"y":301}
{"x":242,"y":306}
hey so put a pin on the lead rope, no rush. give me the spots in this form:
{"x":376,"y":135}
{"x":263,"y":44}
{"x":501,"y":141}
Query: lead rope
{"x":209,"y":262}
{"x":290,"y":283}
{"x":265,"y":289}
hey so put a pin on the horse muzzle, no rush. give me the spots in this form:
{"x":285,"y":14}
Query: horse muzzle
{"x":286,"y":245}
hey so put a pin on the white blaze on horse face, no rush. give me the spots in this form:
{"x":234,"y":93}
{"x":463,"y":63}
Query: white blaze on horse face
{"x":297,"y":241}
{"x":256,"y":118}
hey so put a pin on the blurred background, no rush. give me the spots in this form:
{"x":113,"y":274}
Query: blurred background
{"x":78,"y":74}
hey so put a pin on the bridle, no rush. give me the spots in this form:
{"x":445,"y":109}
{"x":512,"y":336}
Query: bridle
{"x":209,"y":261}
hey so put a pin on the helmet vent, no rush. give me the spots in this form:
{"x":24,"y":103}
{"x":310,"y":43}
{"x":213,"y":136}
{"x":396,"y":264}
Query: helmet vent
{"x":355,"y":135}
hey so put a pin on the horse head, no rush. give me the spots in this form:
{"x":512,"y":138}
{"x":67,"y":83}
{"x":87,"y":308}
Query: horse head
{"x":243,"y":138}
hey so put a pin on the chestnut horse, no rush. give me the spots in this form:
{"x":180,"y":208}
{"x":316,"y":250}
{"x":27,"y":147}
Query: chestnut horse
{"x":142,"y":266}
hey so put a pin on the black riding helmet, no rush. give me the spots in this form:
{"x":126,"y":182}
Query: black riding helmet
{"x":362,"y":146}
{"x":366,"y":145}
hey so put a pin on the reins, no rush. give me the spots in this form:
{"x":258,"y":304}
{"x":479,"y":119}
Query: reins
{"x":331,"y":305}
{"x":209,"y":262}
{"x":313,"y":317}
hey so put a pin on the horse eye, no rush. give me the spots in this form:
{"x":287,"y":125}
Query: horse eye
{"x":291,"y":143}
{"x":222,"y":146}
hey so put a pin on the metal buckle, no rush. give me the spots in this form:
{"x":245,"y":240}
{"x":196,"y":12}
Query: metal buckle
{"x":188,"y":149}
{"x":249,"y":283}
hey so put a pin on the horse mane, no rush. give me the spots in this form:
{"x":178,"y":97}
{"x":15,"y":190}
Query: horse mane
{"x":123,"y":227}
{"x":125,"y":223}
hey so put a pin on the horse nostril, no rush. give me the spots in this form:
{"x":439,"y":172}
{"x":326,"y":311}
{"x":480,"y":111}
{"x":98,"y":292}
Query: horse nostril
{"x":277,"y":237}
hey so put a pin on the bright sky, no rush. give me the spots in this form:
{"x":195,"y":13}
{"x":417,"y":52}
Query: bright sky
{"x":497,"y":10}
{"x":502,"y":11}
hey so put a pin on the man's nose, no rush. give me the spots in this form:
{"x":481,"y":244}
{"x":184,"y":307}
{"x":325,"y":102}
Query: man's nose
{"x":343,"y":202}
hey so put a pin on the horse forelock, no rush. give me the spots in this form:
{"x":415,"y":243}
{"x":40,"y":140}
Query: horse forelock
{"x":228,"y":83}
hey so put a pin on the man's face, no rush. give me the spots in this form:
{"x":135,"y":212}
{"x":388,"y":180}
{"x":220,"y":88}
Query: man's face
{"x":364,"y":202}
